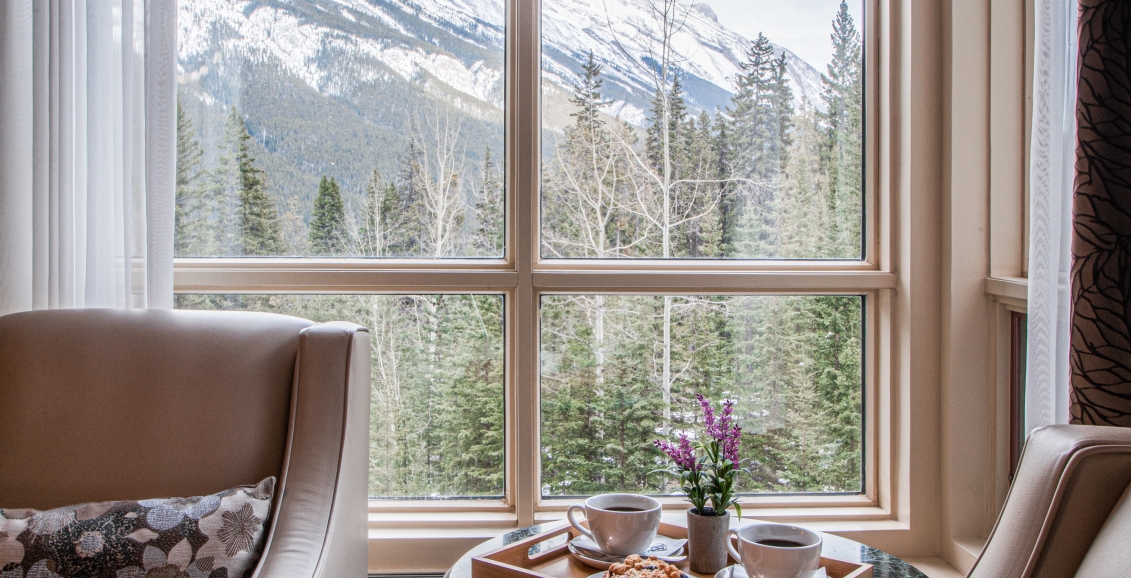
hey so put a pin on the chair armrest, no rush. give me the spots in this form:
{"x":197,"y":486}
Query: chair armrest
{"x":319,"y":529}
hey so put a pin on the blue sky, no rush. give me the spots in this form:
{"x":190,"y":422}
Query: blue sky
{"x":802,"y":26}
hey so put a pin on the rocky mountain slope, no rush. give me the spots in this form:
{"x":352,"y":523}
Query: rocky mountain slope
{"x":325,"y":85}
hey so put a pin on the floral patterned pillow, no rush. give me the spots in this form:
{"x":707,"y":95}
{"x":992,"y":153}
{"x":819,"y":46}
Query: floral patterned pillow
{"x":217,"y":536}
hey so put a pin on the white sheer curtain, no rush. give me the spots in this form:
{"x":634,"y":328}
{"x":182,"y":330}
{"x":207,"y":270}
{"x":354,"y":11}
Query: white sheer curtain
{"x":1051,"y":173}
{"x":88,"y":153}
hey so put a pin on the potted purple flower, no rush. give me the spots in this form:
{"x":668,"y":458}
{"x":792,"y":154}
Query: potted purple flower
{"x":707,"y":469}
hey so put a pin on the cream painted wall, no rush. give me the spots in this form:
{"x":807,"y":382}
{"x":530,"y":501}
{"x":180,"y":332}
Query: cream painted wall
{"x":967,"y":403}
{"x":982,"y":236}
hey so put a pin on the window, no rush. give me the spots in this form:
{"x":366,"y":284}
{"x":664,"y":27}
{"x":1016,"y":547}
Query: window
{"x":560,"y":225}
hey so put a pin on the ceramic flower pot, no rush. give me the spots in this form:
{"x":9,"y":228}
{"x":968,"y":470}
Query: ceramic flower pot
{"x":706,"y":541}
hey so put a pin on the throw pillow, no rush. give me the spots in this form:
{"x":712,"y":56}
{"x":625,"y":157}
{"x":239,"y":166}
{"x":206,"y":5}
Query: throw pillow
{"x":217,"y":536}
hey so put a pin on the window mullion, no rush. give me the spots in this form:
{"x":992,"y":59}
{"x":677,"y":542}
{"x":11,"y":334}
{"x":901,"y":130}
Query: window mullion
{"x":523,"y":91}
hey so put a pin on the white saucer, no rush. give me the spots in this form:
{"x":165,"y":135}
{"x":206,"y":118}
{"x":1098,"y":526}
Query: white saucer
{"x":591,"y":562}
{"x":737,"y":571}
{"x":662,"y":546}
{"x":605,"y":564}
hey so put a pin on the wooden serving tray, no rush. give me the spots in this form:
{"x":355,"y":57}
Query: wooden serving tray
{"x":517,"y":561}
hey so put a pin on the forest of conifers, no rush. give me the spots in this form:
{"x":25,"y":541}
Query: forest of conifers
{"x":771,"y":176}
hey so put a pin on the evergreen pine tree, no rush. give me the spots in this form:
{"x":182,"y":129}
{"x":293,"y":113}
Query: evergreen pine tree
{"x":223,"y":198}
{"x":780,"y":121}
{"x":328,"y":221}
{"x":189,"y":214}
{"x":587,"y":95}
{"x":260,"y":233}
{"x":730,"y":202}
{"x":675,"y":106}
{"x":749,"y":112}
{"x":703,"y":235}
{"x":842,"y":93}
{"x":756,"y":127}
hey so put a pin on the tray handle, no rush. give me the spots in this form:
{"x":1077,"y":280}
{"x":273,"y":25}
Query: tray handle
{"x":514,"y":559}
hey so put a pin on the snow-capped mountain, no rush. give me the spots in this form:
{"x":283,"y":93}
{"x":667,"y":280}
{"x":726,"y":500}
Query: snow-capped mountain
{"x":417,"y":39}
{"x":624,"y":35}
{"x":326,"y":86}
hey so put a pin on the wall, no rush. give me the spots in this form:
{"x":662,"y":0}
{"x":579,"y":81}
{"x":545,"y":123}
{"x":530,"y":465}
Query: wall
{"x":984,"y":117}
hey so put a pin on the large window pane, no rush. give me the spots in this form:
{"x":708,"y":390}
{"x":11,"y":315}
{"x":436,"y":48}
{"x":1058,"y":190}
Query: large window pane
{"x":619,"y":371}
{"x":437,"y":385}
{"x":702,"y":129}
{"x":340,"y":128}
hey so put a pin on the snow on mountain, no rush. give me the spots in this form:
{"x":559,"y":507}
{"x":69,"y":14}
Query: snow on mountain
{"x":334,"y":46}
{"x":221,"y":31}
{"x":624,"y":35}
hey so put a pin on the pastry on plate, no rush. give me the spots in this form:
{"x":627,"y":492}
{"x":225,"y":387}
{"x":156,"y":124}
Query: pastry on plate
{"x":635,"y":566}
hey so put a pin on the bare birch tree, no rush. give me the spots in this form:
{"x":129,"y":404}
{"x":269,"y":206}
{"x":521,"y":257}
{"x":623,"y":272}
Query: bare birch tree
{"x":441,"y":180}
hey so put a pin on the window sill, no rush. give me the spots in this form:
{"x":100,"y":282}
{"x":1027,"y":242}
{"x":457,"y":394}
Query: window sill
{"x":1008,"y":290}
{"x":441,"y":515}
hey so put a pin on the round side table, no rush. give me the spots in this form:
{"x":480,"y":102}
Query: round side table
{"x":884,"y":565}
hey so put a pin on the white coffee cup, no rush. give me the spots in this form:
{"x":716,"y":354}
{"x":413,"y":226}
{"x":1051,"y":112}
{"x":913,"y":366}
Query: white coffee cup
{"x":620,"y":524}
{"x":764,"y":550}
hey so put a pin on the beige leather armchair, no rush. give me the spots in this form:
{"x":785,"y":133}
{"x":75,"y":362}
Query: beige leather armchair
{"x":1068,"y":512}
{"x":113,"y":404}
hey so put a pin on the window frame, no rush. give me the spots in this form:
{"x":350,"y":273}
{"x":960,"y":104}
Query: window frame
{"x":522,"y":276}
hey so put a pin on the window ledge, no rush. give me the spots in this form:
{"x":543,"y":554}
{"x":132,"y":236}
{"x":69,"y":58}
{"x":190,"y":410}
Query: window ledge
{"x":1010,"y":288}
{"x":817,"y":518}
{"x":485,"y":532}
{"x":441,"y":524}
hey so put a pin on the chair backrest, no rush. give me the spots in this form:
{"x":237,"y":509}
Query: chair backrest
{"x":1110,"y":554}
{"x":113,"y":404}
{"x":1069,"y":482}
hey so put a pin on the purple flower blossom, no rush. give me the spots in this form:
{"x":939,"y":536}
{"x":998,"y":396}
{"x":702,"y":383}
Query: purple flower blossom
{"x":730,"y":444}
{"x":683,"y":455}
{"x":719,"y":428}
{"x":708,"y":411}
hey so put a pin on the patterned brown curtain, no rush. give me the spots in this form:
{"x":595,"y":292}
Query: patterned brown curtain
{"x":1101,"y":243}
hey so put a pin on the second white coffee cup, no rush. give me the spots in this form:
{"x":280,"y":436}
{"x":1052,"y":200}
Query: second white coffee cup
{"x":776,"y":550}
{"x":620,"y":524}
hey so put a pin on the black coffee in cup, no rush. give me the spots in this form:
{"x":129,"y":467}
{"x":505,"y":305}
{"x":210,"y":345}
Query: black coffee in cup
{"x":775,"y":550}
{"x":777,"y":543}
